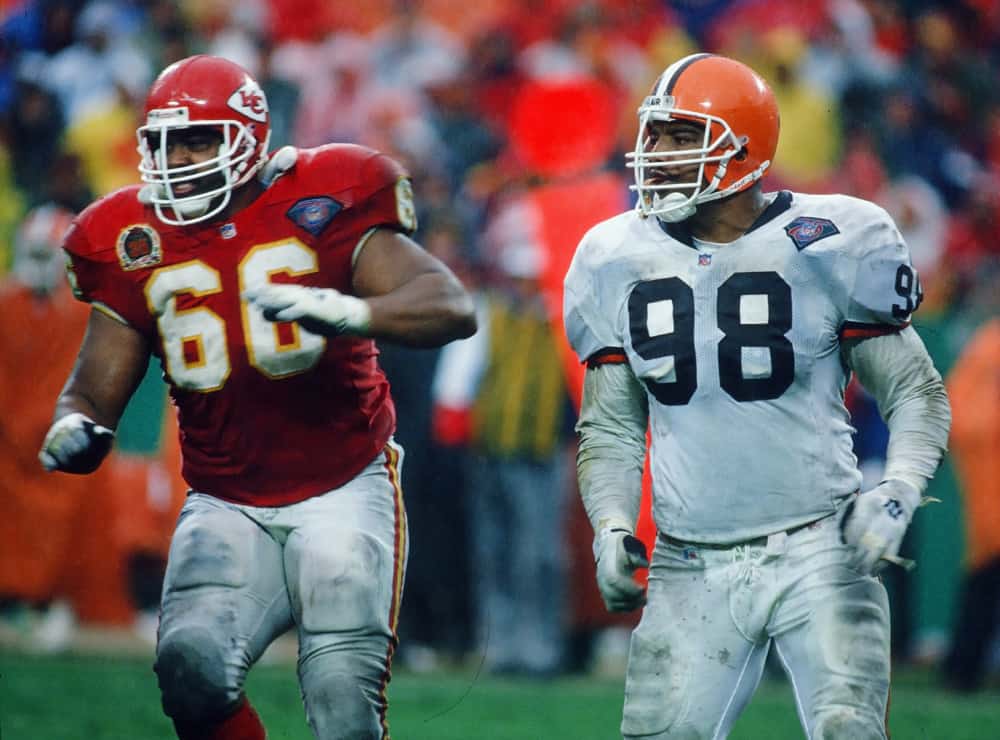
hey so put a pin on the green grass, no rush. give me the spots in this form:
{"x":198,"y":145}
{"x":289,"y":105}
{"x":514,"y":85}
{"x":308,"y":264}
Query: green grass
{"x":108,"y":698}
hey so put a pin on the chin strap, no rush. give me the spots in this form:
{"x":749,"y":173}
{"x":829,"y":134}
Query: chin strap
{"x":677,"y":213}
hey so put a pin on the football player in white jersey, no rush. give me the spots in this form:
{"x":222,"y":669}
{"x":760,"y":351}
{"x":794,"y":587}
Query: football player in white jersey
{"x":728,"y":320}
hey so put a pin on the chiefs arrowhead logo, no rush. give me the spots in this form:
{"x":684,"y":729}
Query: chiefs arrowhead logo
{"x":250,"y":101}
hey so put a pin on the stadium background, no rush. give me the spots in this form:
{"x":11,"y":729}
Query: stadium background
{"x":513,"y":118}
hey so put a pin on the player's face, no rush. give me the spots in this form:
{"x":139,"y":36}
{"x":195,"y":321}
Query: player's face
{"x":186,"y":147}
{"x":674,"y":136}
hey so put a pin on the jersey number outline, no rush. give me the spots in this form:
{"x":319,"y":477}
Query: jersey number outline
{"x":667,"y":306}
{"x":194,"y":340}
{"x":909,"y":289}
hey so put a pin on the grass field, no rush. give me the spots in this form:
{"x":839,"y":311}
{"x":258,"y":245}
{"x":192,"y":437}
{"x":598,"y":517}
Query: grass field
{"x":110,"y":698}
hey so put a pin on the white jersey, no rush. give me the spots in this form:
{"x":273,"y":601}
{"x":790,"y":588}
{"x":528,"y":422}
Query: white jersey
{"x":738,"y":346}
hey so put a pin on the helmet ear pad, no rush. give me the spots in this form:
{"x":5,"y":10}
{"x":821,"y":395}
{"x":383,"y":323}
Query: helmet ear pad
{"x":742,"y":154}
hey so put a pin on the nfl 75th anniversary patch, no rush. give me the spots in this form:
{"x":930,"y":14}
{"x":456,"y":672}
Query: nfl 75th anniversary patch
{"x":313,"y":214}
{"x":806,"y":230}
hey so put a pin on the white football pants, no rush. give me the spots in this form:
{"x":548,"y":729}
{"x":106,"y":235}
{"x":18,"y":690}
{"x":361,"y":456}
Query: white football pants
{"x":239,"y":576}
{"x":698,"y":653}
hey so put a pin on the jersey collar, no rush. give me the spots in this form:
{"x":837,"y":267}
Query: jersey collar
{"x":781,"y":203}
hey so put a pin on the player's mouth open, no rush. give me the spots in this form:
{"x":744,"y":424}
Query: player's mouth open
{"x":659,"y":178}
{"x":192,"y":187}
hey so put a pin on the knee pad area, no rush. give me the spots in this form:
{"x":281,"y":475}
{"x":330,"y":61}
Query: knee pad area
{"x":848,"y":723}
{"x":197,"y":681}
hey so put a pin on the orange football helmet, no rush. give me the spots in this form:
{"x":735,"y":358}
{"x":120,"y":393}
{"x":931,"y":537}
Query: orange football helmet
{"x":740,"y":117}
{"x":206,"y":91}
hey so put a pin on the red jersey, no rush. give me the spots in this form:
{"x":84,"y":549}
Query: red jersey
{"x":269,"y":413}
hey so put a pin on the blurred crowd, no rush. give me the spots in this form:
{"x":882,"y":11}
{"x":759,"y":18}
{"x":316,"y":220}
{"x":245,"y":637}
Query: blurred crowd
{"x":492,"y":105}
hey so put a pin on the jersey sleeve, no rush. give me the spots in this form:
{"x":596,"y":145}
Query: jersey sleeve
{"x":387,"y":196}
{"x":885,"y":290}
{"x":586,"y":317}
{"x":95,"y":277}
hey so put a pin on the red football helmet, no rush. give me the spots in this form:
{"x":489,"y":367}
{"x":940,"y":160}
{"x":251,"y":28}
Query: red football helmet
{"x":740,"y":116}
{"x":202,"y":91}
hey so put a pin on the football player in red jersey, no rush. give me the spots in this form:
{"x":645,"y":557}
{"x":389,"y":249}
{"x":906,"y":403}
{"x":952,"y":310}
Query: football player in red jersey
{"x":261,"y":283}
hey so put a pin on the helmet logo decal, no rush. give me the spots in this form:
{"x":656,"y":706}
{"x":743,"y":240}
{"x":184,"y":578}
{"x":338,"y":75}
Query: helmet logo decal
{"x":313,"y":214}
{"x":138,"y":246}
{"x":250,"y":101}
{"x":806,"y":230}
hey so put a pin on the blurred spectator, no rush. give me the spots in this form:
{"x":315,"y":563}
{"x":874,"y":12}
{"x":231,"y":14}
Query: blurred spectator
{"x":165,"y":34}
{"x":67,"y":186}
{"x":844,"y":60}
{"x":973,"y":237}
{"x":595,"y":41}
{"x":494,"y":75}
{"x":104,"y":141}
{"x":11,"y":203}
{"x":412,"y":51}
{"x":811,"y":137}
{"x":34,"y":129}
{"x":40,"y":512}
{"x":455,"y":119}
{"x":86,"y":75}
{"x":958,"y":85}
{"x":974,"y":390}
{"x":911,"y":144}
{"x":519,"y":423}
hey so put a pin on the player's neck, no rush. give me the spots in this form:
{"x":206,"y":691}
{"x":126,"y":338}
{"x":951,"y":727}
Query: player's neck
{"x":242,"y":197}
{"x":726,"y":220}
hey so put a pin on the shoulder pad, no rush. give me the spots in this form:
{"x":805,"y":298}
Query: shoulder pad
{"x":95,"y":230}
{"x":589,"y":293}
{"x":348,"y":172}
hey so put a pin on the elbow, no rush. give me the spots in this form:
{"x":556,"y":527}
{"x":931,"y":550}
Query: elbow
{"x":458,"y":320}
{"x":463,"y":318}
{"x":454,"y":319}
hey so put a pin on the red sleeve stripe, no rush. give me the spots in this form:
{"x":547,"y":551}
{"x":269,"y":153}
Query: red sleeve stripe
{"x":855,"y":330}
{"x":607,"y":356}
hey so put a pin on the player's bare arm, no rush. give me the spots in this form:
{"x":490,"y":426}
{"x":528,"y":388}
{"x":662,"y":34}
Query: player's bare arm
{"x":109,"y":367}
{"x":414,"y":298}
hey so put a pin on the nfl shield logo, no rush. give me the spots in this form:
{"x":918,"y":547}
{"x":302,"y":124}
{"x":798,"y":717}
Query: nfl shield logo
{"x":704,"y":259}
{"x":228,"y":231}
